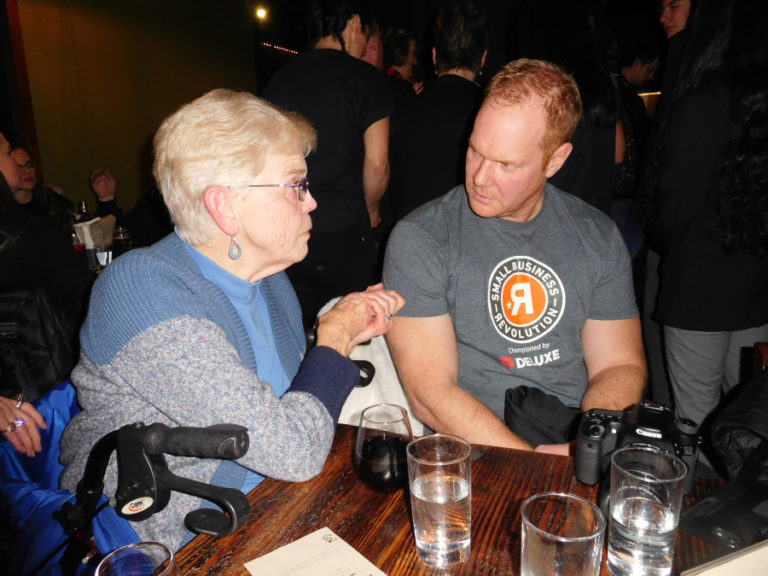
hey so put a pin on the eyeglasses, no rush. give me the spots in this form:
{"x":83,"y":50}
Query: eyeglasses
{"x":29,"y":164}
{"x":302,"y":187}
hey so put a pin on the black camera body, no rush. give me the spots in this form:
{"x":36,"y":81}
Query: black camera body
{"x":646,"y":424}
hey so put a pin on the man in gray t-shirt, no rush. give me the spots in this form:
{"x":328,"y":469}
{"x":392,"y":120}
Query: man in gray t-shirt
{"x":509,"y":281}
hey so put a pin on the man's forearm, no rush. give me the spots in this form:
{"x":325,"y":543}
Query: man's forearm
{"x":456,"y":411}
{"x":375,"y":182}
{"x":426,"y":356}
{"x":615,"y":388}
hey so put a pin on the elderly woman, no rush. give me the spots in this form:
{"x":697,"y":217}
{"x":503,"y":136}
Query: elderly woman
{"x":204,"y":327}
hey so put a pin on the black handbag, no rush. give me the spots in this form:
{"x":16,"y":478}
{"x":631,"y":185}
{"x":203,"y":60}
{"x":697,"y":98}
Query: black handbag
{"x":38,"y":342}
{"x":737,"y":514}
{"x":538,"y":417}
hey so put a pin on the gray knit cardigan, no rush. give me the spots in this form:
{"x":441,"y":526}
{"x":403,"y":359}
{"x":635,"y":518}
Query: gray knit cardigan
{"x":163,"y":344}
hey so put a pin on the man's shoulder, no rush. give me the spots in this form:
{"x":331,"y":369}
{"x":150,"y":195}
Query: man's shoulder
{"x":441,"y":211}
{"x":431,"y":228}
{"x":577,"y":209}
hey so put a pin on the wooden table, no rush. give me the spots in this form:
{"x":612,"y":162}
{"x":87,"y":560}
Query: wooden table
{"x":378,"y":525}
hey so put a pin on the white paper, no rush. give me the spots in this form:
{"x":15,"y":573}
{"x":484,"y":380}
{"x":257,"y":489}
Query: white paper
{"x":748,"y":561}
{"x":321,"y":553}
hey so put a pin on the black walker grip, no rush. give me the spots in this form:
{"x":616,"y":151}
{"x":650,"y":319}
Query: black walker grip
{"x":221,"y":441}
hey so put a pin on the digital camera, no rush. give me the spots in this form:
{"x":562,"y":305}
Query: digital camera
{"x":601,"y":432}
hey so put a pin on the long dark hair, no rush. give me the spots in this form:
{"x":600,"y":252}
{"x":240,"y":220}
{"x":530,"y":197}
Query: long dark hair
{"x":743,"y":202}
{"x":727,"y":40}
{"x":708,"y":37}
{"x":569,"y":33}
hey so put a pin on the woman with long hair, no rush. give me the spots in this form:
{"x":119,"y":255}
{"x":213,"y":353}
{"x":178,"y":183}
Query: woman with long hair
{"x":706,"y":181}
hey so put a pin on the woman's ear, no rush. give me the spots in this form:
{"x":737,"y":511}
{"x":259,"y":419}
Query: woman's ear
{"x":219,"y":203}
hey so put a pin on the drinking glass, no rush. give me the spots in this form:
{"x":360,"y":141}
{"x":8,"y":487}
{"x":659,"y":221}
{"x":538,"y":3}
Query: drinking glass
{"x":647,"y":487}
{"x":439,"y":469}
{"x":382,"y":437}
{"x":140,"y":559}
{"x":99,"y":256}
{"x":562,"y":535}
{"x":121,"y":241}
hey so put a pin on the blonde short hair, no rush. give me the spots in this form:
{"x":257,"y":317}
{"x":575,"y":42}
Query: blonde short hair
{"x":524,"y":79}
{"x":220,"y":139}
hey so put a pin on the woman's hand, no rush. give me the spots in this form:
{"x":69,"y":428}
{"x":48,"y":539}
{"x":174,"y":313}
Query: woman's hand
{"x":19,"y":423}
{"x":357,"y":318}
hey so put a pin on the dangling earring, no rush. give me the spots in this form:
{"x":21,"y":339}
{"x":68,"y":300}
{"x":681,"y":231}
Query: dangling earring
{"x":234,"y":249}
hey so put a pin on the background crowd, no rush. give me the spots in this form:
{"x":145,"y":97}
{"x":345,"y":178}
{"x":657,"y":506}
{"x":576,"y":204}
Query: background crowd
{"x":684,"y":180}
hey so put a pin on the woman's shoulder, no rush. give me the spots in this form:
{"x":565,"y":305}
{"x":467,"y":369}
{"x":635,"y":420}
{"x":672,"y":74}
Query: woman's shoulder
{"x":164,"y":270}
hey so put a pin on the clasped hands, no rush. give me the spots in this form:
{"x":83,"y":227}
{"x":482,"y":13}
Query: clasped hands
{"x":357,"y":318}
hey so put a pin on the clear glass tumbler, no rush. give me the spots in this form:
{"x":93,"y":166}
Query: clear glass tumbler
{"x":439,"y":470}
{"x":562,"y":535}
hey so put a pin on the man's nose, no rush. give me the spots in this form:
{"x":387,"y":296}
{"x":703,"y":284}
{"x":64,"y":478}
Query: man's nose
{"x":482,"y":174}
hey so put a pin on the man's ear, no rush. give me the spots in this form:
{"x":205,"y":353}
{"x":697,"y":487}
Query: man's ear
{"x":218,"y":202}
{"x":557,"y":159}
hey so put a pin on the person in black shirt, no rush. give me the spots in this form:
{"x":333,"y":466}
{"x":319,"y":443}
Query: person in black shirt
{"x":349,"y":104}
{"x":429,"y":142}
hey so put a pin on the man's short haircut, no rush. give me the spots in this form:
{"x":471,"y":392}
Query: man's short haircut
{"x":220,"y":139}
{"x":460,"y":36}
{"x":522,"y":80}
{"x":397,"y":46}
{"x":643,"y":48}
{"x":330,"y":18}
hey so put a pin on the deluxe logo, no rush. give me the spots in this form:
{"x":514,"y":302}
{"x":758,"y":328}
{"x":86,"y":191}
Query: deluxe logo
{"x":526,"y":299}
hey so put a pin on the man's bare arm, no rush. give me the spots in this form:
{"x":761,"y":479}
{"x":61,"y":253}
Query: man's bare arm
{"x":376,"y":167}
{"x":425,"y":353}
{"x":615,"y":359}
{"x":613,"y":353}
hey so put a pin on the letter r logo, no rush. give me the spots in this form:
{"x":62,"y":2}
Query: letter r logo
{"x":520,"y":294}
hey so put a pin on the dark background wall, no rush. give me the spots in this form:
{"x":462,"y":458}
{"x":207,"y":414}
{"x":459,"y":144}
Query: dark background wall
{"x":102,"y":75}
{"x":87,"y":82}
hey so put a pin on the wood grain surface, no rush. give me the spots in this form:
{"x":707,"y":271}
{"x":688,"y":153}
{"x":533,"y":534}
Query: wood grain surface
{"x":378,"y":525}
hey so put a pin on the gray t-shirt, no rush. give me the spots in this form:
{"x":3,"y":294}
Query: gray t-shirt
{"x":519,"y":293}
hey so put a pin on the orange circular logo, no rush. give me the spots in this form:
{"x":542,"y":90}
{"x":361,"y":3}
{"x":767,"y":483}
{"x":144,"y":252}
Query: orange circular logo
{"x":526,"y":299}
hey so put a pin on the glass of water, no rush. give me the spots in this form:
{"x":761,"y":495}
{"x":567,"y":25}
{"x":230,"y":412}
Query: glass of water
{"x":562,"y":535}
{"x":647,"y":487}
{"x":440,"y":480}
{"x":99,"y":256}
{"x":140,"y":559}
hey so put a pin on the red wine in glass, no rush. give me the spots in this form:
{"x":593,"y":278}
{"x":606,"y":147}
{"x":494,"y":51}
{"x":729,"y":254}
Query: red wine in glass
{"x":382,"y":462}
{"x":380,"y":457}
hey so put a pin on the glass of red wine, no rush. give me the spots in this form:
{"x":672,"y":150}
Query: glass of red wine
{"x":380,"y":458}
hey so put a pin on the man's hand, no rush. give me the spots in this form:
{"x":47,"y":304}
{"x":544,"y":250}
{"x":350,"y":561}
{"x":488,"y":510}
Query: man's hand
{"x":103,"y":185}
{"x":557,"y":449}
